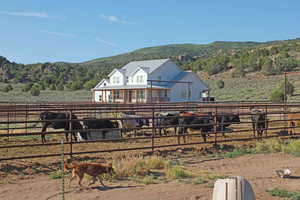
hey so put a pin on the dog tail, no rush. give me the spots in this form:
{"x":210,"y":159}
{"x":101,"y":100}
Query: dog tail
{"x":67,"y":167}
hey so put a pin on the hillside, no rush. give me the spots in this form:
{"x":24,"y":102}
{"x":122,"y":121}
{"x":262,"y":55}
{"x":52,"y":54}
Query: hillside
{"x":175,"y":50}
{"x":268,"y":58}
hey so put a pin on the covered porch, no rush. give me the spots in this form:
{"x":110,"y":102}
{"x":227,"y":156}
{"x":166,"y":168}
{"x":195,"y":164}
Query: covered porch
{"x":145,"y":95}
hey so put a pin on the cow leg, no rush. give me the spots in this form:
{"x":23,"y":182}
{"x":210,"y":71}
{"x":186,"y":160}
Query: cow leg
{"x":43,"y":133}
{"x":254,"y":129}
{"x":203,"y":134}
{"x":67,"y":136}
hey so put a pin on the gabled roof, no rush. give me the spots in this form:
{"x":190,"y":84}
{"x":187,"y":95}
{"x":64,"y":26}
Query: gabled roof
{"x":183,"y":74}
{"x":150,"y":64}
{"x":146,"y":69}
{"x":122,"y":71}
{"x":98,"y":85}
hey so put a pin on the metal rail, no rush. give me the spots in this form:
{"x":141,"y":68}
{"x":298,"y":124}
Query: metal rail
{"x":24,"y":114}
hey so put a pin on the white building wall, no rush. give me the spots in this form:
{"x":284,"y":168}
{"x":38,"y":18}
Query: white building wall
{"x":179,"y":89}
{"x":167,"y":71}
{"x":133,"y":79}
{"x":118,"y":75}
{"x":104,"y":95}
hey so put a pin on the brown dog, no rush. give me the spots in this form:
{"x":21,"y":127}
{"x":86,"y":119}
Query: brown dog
{"x":92,"y":169}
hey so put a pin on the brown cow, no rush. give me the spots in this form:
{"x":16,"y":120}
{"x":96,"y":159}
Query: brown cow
{"x":293,"y":121}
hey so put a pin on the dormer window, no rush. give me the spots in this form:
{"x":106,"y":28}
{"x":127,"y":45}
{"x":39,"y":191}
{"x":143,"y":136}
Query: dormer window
{"x":140,"y":79}
{"x":116,"y":79}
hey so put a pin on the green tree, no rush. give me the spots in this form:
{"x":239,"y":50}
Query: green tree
{"x":90,"y":84}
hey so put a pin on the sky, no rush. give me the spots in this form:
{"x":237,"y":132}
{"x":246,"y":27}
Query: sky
{"x":34,"y":31}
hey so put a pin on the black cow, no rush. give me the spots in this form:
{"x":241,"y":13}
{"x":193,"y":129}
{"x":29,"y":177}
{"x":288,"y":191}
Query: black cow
{"x":94,"y":123}
{"x":202,"y":122}
{"x":168,"y":119}
{"x":205,"y":123}
{"x":226,"y":119}
{"x":259,"y":122}
{"x":58,"y":121}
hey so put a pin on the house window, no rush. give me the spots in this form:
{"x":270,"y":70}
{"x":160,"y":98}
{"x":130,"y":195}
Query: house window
{"x":140,"y":79}
{"x":116,"y":79}
{"x":166,"y":93}
{"x":117,"y":94}
{"x":159,"y":78}
{"x":140,"y":94}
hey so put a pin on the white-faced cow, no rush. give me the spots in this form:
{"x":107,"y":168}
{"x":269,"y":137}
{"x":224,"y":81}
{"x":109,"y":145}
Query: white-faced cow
{"x":59,"y":121}
{"x":132,"y":122}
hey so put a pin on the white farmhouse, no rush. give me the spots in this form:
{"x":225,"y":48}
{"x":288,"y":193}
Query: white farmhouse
{"x":131,"y":84}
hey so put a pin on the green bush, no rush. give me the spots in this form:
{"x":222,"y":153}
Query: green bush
{"x":220,"y":84}
{"x":27,"y":87}
{"x":290,"y":88}
{"x":35,"y":91}
{"x":277,"y":96}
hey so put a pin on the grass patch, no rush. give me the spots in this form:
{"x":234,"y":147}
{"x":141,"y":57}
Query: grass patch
{"x":57,"y":174}
{"x":199,"y":180}
{"x":235,"y":153}
{"x":294,"y":195}
{"x":147,"y":180}
{"x":177,"y":172}
{"x":137,"y":166}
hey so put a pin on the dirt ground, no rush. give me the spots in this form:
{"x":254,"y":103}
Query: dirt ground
{"x":257,"y":168}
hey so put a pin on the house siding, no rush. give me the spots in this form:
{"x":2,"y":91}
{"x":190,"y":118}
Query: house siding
{"x":179,"y":89}
{"x":167,"y":71}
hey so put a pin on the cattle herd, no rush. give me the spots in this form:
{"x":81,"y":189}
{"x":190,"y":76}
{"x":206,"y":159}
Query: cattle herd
{"x":90,"y":128}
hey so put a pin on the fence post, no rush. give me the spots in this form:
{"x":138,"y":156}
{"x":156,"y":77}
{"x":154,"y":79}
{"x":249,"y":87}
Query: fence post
{"x":266,"y":122}
{"x":215,"y":125}
{"x":63,"y":172}
{"x":70,"y":129}
{"x":7,"y":126}
{"x":153,"y":129}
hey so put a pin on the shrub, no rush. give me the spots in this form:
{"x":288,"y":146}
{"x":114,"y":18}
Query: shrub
{"x":27,"y":87}
{"x":270,"y":146}
{"x":294,"y":195}
{"x":35,"y":91}
{"x":60,"y":87}
{"x":290,"y":88}
{"x":148,"y":180}
{"x":52,"y":87}
{"x":7,"y":88}
{"x":177,"y":172}
{"x":220,"y":84}
{"x":137,"y":166}
{"x":277,"y":96}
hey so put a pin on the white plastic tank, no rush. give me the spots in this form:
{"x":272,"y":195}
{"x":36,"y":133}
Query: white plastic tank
{"x":233,"y":188}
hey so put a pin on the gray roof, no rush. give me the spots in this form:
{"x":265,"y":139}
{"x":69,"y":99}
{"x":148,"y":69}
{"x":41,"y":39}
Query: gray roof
{"x":147,"y":65}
